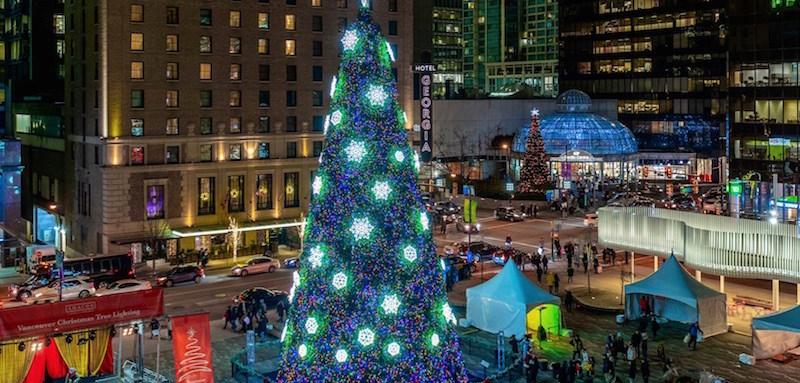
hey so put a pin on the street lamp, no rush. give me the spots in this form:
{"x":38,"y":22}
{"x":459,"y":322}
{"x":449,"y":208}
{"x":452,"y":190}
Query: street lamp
{"x":508,"y":160}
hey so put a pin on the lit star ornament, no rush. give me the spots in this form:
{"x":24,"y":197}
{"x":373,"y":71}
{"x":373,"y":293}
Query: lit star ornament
{"x":311,"y":325}
{"x":448,"y":314}
{"x":381,"y":190}
{"x":349,"y":40}
{"x":390,"y":304}
{"x":340,"y":281}
{"x":376,"y":95}
{"x":366,"y":337}
{"x":410,"y":253}
{"x":356,"y":151}
{"x":424,"y":221}
{"x":393,"y":349}
{"x":316,"y":186}
{"x":315,"y":257}
{"x":361,"y":229}
{"x":341,"y":356}
{"x":302,"y":351}
{"x":336,"y":118}
{"x":435,"y":340}
{"x":399,"y":156}
{"x":534,"y":112}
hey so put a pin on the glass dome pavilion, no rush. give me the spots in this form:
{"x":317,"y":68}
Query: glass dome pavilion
{"x":583,"y":144}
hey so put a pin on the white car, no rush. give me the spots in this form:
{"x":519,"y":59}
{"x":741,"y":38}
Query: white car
{"x":124,"y":286}
{"x":72,"y":288}
{"x":256,"y":265}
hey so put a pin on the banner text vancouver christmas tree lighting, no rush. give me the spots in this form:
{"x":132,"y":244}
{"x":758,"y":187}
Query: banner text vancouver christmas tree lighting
{"x":368,"y":303}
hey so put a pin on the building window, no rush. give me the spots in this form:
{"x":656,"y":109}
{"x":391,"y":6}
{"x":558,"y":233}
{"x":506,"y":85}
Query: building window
{"x":172,"y":71}
{"x":172,"y":15}
{"x":206,"y":125}
{"x":291,"y":73}
{"x":137,"y":13}
{"x":263,"y":72}
{"x":235,"y":98}
{"x":263,"y":125}
{"x":316,"y":98}
{"x":137,"y":41}
{"x":291,"y":48}
{"x":291,"y":98}
{"x":316,"y":23}
{"x":205,"y":195}
{"x":341,"y":3}
{"x":316,"y":73}
{"x":173,"y":154}
{"x":172,"y":99}
{"x":235,"y":125}
{"x":172,"y":126}
{"x":235,"y":46}
{"x":235,"y":152}
{"x":263,"y":98}
{"x":154,"y":205}
{"x":392,"y":5}
{"x":172,"y":43}
{"x":236,"y":72}
{"x":205,"y":44}
{"x":291,"y":149}
{"x":235,"y":194}
{"x":316,"y":48}
{"x":206,"y":152}
{"x":317,"y":148}
{"x":291,"y":2}
{"x":137,"y":70}
{"x":235,"y":19}
{"x":318,"y":124}
{"x":206,"y":98}
{"x":291,"y":192}
{"x":137,"y":98}
{"x":264,"y":192}
{"x":263,"y":20}
{"x":263,"y":46}
{"x":316,"y":3}
{"x":205,"y":17}
{"x":137,"y":127}
{"x":205,"y":71}
{"x":291,"y":124}
{"x":290,"y":22}
{"x":263,"y":150}
{"x":137,"y":155}
{"x":392,"y":28}
{"x":341,"y":24}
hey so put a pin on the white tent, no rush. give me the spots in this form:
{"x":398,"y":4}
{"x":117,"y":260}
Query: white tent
{"x":503,"y":304}
{"x":777,"y":333}
{"x":675,"y":295}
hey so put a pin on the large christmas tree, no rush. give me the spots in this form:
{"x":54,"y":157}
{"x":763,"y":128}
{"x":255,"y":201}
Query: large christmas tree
{"x":534,"y":173}
{"x":368,"y":303}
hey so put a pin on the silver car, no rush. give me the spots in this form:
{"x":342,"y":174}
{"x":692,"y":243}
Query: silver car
{"x":72,"y":288}
{"x":256,"y":265}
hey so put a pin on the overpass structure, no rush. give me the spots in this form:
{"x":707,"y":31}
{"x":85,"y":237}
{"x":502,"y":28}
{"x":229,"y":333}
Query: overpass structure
{"x":720,"y":245}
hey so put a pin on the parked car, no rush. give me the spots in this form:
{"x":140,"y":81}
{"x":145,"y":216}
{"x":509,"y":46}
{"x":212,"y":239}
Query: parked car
{"x":447,"y":207}
{"x":253,"y":296}
{"x":508,"y":214}
{"x":72,"y":288}
{"x":291,"y":263}
{"x":124,"y":286}
{"x":180,"y":274}
{"x":256,"y":265}
{"x":680,"y":202}
{"x":23,"y":290}
{"x":462,"y":226}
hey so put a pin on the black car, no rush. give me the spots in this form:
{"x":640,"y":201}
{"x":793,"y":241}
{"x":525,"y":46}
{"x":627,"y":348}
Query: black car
{"x":446,"y":208}
{"x":180,"y":274}
{"x":24,"y":290}
{"x":253,"y":297}
{"x":508,"y":214}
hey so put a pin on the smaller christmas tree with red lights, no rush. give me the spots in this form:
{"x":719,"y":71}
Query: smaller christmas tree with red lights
{"x":534,"y":174}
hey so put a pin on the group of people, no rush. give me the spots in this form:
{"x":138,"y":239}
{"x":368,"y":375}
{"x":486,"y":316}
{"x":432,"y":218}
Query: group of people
{"x":243,"y":317}
{"x":201,"y":257}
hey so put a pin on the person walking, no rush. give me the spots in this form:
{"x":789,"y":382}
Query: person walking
{"x":514,"y":345}
{"x":694,"y":332}
{"x":227,"y":317}
{"x":570,"y":273}
{"x":632,"y":372}
{"x":636,"y":341}
{"x":533,"y":367}
{"x":544,"y":263}
{"x":155,"y":328}
{"x":551,"y":281}
{"x":569,"y":301}
{"x":654,"y":326}
{"x":556,"y":282}
{"x":539,"y":272}
{"x":645,"y":370}
{"x":595,"y":264}
{"x":585,"y":260}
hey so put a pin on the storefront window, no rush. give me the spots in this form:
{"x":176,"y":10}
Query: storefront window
{"x":154,"y":205}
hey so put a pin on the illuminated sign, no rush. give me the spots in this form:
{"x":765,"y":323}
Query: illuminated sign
{"x":426,"y":111}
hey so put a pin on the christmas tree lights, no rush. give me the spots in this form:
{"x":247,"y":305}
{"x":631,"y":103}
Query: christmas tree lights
{"x":535,"y":168}
{"x":370,"y":304}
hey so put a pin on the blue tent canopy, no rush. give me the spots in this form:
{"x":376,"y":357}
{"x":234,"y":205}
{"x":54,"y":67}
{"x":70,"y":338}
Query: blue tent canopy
{"x":786,"y":320}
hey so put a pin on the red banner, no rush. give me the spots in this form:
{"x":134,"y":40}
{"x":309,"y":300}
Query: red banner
{"x":191,"y":347}
{"x":79,"y":314}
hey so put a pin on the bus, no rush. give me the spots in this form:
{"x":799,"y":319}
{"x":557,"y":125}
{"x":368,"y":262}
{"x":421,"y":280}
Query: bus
{"x":103,"y":270}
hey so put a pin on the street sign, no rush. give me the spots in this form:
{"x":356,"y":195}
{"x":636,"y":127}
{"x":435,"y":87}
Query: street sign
{"x":470,"y":211}
{"x":426,"y":110}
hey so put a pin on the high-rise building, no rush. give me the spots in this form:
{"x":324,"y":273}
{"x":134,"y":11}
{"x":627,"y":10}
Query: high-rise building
{"x":438,"y":41}
{"x":32,"y":57}
{"x":186,"y":115}
{"x":511,"y":46}
{"x":663,"y":60}
{"x":764,"y":92}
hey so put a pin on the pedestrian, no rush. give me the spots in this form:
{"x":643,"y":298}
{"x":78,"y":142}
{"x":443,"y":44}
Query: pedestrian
{"x":227,"y":317}
{"x":535,"y":211}
{"x":585,"y":260}
{"x":539,"y":274}
{"x":569,"y":301}
{"x":544,"y":263}
{"x":613,"y":254}
{"x":636,"y":341}
{"x":643,"y":347}
{"x":551,"y":281}
{"x":595,"y":264}
{"x":533,"y":368}
{"x":443,"y":230}
{"x":654,"y":326}
{"x":281,"y":309}
{"x":246,"y":322}
{"x":514,"y":345}
{"x":627,"y":255}
{"x":632,"y":372}
{"x":155,"y":328}
{"x":643,"y":305}
{"x":169,"y":328}
{"x":694,"y":332}
{"x":645,"y":370}
{"x":556,"y":282}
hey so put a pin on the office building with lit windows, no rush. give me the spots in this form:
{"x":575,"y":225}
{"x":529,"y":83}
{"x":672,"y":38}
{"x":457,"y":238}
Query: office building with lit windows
{"x":511,"y":47}
{"x":438,"y":41}
{"x":663,"y":60}
{"x":183,"y":116}
{"x":765,"y":89}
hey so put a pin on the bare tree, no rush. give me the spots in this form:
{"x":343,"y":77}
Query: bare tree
{"x":156,"y":229}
